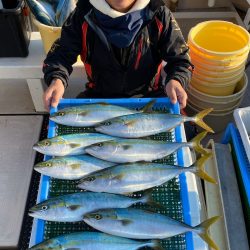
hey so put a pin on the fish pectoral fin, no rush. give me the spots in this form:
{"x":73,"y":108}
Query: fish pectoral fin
{"x":126,"y":147}
{"x":73,"y":207}
{"x":126,"y":222}
{"x":118,"y":177}
{"x":130,"y":123}
{"x":75,"y":166}
{"x":83,"y":113}
{"x":74,"y":145}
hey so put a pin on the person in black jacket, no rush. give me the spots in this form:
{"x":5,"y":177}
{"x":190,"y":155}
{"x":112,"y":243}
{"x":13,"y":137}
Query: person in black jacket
{"x":129,"y":48}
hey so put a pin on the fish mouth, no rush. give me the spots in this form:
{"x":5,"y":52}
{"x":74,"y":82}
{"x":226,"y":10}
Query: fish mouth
{"x":39,"y":169}
{"x":89,"y":149}
{"x":53,"y":118}
{"x":36,"y":147}
{"x":31,"y":212}
{"x":98,"y":129}
{"x":39,"y":149}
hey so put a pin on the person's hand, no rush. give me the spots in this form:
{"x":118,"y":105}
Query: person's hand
{"x":175,"y":92}
{"x":53,"y":94}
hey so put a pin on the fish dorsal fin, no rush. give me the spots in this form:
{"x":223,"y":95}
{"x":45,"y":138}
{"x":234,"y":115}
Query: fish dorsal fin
{"x":103,"y":103}
{"x":75,"y":166}
{"x":74,"y":145}
{"x":148,"y":106}
{"x":126,"y":222}
{"x":73,"y":207}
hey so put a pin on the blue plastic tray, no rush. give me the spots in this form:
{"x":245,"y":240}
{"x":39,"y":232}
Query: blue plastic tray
{"x":162,"y":104}
{"x":243,"y":167}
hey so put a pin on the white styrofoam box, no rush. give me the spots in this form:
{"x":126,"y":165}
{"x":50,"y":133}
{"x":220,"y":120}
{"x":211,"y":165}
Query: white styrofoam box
{"x":242,"y":119}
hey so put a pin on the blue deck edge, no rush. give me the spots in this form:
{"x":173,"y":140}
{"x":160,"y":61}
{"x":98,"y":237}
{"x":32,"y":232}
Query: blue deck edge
{"x":180,"y":161}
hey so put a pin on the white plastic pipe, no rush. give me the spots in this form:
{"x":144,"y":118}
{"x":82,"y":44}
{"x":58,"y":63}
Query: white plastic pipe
{"x":1,"y":4}
{"x":211,"y":3}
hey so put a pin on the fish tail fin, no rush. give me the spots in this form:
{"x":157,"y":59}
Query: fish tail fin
{"x":148,"y":199}
{"x":155,"y":244}
{"x":203,"y":228}
{"x":198,"y":119}
{"x":147,"y":108}
{"x":196,"y":143}
{"x":199,"y":169}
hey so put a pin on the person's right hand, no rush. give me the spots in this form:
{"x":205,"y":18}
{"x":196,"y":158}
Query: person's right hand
{"x":53,"y":94}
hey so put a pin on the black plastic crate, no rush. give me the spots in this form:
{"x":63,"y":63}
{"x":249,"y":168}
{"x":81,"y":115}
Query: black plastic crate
{"x":15,"y":30}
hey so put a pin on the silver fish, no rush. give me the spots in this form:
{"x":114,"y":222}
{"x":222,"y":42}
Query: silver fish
{"x":71,"y":167}
{"x":72,"y":144}
{"x":89,"y":114}
{"x":133,"y":177}
{"x":133,"y":150}
{"x":145,"y":124}
{"x":94,"y":241}
{"x":42,"y":12}
{"x":72,"y":207}
{"x":139,"y":224}
{"x":64,"y":8}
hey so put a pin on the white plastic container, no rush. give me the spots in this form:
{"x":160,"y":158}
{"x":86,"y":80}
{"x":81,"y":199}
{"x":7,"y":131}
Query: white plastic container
{"x":242,"y":119}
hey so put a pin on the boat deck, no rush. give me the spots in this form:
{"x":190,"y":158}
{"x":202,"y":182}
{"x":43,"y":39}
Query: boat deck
{"x":20,"y":127}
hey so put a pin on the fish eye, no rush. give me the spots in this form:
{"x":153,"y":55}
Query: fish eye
{"x":100,"y":144}
{"x":47,"y":143}
{"x":98,"y":216}
{"x":44,"y":208}
{"x":48,"y":164}
{"x":90,"y":179}
{"x":61,"y":113}
{"x":107,"y":123}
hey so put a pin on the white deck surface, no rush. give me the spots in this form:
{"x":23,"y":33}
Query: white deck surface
{"x":17,"y":136}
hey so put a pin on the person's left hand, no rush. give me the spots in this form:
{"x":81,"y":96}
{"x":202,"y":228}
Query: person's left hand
{"x":175,"y":92}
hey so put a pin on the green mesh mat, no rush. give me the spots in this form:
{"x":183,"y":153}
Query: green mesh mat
{"x":168,"y":195}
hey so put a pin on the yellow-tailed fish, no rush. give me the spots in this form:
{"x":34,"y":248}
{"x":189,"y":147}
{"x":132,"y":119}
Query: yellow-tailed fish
{"x":94,"y":241}
{"x":140,"y":224}
{"x":133,"y":150}
{"x":71,"y":167}
{"x":71,"y":207}
{"x":89,"y":114}
{"x":72,"y":144}
{"x":145,"y":124}
{"x":133,"y":177}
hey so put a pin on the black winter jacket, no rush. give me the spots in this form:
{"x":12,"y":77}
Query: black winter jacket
{"x":121,"y":72}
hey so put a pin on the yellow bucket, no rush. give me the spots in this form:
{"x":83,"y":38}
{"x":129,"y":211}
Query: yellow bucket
{"x":219,"y":78}
{"x":216,"y":89}
{"x":217,"y":71}
{"x":49,"y":34}
{"x":229,"y":62}
{"x":231,"y":100}
{"x":216,"y":110}
{"x":219,"y":39}
{"x":225,"y":60}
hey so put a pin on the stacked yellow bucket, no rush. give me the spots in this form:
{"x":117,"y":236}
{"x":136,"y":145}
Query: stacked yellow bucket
{"x":219,"y":51}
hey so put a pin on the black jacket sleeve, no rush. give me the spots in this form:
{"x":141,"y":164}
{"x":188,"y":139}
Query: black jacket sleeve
{"x":64,"y":52}
{"x":174,"y":50}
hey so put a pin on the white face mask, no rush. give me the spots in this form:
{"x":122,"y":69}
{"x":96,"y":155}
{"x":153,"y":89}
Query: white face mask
{"x":104,"y":7}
